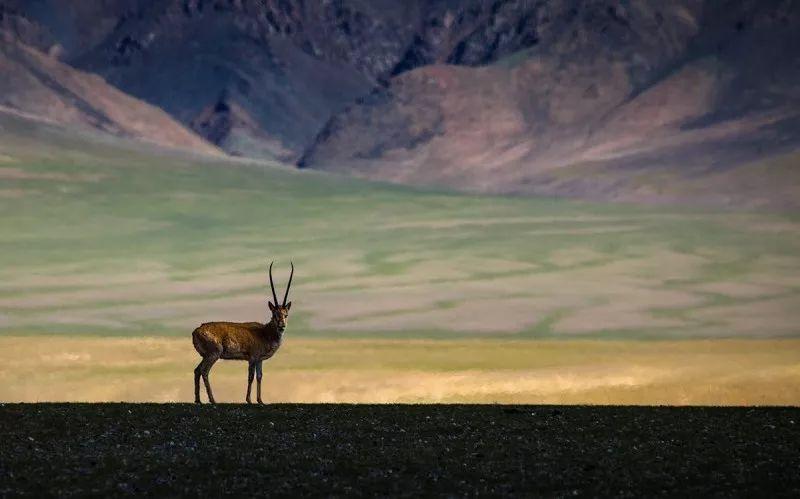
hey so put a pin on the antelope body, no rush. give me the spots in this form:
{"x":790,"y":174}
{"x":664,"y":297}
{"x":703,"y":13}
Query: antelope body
{"x":250,"y":341}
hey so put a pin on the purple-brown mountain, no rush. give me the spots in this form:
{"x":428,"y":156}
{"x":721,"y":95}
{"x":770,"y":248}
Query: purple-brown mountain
{"x":599,"y":99}
{"x":611,"y":100}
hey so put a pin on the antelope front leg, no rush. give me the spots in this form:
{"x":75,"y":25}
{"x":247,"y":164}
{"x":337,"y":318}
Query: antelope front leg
{"x":259,"y":375}
{"x":251,"y":368}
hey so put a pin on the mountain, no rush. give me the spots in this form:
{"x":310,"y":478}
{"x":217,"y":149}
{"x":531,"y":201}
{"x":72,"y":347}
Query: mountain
{"x":256,"y":78}
{"x":600,"y":99}
{"x":260,"y":77}
{"x":608,"y":102}
{"x":37,"y":85}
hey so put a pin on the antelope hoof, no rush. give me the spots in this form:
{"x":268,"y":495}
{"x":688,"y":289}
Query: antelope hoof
{"x":260,"y":402}
{"x":248,"y":401}
{"x":197,"y":401}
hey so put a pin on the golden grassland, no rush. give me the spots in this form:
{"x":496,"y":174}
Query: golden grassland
{"x":702,"y":372}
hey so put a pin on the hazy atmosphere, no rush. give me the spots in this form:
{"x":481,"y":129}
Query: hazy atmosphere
{"x":514,"y":201}
{"x":399,"y":248}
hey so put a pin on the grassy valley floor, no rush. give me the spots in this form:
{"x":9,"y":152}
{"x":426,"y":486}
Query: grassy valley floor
{"x":111,"y":252}
{"x":110,"y":238}
{"x":707,"y":372}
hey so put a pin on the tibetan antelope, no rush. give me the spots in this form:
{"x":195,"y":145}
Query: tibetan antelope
{"x":250,"y":341}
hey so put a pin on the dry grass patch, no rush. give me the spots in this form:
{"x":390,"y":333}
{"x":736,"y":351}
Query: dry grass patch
{"x":146,"y":369}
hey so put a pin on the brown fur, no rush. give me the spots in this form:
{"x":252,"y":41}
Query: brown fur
{"x":250,"y":341}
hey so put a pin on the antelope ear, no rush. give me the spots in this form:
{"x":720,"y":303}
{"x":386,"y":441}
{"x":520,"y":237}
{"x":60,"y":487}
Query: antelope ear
{"x":288,"y":305}
{"x":271,"y":306}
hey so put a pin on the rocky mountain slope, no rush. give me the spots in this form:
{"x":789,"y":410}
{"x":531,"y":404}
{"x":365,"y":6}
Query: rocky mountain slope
{"x":37,"y":85}
{"x":257,"y":78}
{"x":635,"y":94}
{"x":591,"y":98}
{"x":262,"y":77}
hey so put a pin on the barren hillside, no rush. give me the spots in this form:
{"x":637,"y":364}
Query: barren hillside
{"x":600,"y":99}
{"x":639,"y":95}
{"x":37,"y":85}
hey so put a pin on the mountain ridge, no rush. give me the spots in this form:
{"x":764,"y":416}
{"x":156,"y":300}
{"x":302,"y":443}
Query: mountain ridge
{"x":37,"y":85}
{"x":708,"y":100}
{"x":501,"y":97}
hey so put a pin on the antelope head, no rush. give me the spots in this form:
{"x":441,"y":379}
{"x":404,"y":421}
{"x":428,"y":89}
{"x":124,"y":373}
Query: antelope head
{"x":280,"y":313}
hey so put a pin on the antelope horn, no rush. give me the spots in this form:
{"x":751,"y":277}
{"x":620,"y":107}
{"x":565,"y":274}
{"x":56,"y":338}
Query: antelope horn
{"x":272,"y":285}
{"x":285,"y":296}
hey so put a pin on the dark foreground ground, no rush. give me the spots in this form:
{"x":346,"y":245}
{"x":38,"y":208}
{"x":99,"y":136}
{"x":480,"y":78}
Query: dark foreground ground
{"x":177,"y":449}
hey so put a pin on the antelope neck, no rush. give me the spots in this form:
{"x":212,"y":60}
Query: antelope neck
{"x":272,"y":327}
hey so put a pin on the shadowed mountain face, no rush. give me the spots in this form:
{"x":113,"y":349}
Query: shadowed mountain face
{"x":599,"y":99}
{"x":284,"y":67}
{"x":38,"y":86}
{"x":258,"y":78}
{"x":607,"y":98}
